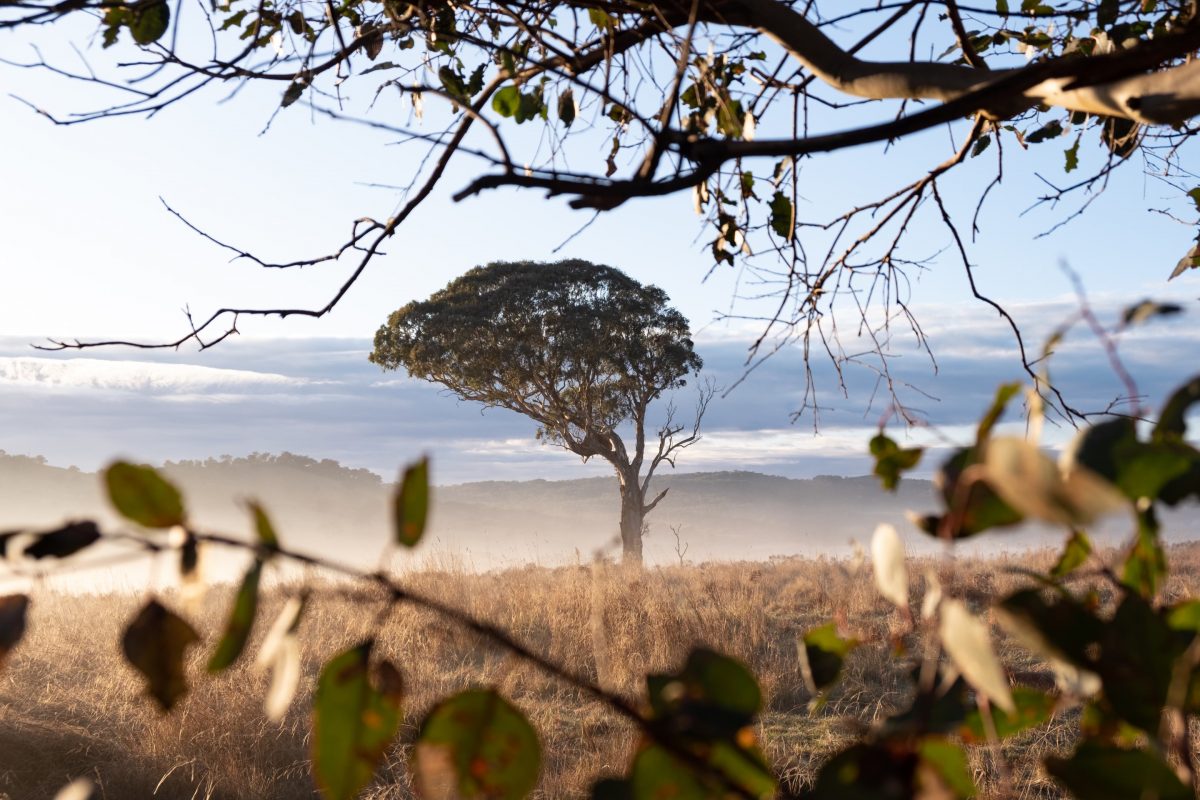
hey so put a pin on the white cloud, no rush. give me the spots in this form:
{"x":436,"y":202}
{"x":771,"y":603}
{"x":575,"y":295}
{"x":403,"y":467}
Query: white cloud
{"x":133,"y":376}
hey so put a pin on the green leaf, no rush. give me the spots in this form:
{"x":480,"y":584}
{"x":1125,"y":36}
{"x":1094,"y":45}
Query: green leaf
{"x":65,"y":541}
{"x":354,"y":721}
{"x":293,"y":93}
{"x":1033,"y":708}
{"x":382,"y":65}
{"x":475,"y":82}
{"x":566,"y":107}
{"x":1002,"y":7}
{"x":981,"y":509}
{"x":870,"y":771}
{"x":143,"y":496}
{"x":1171,"y":424}
{"x":1185,"y":616}
{"x":825,"y":652}
{"x":13,"y":610}
{"x":1078,"y":548}
{"x":155,"y":643}
{"x":149,"y":21}
{"x":476,"y":745}
{"x":782,"y":220}
{"x":234,"y":20}
{"x":891,"y":460}
{"x":114,"y":19}
{"x":658,"y":774}
{"x":453,"y":82}
{"x":1060,"y":628}
{"x":716,"y":694}
{"x":1005,"y":393}
{"x":1050,"y":130}
{"x":507,"y":101}
{"x":949,"y":762}
{"x":240,"y":622}
{"x":410,"y":505}
{"x":1103,"y":772}
{"x":1071,"y":154}
{"x":600,"y":18}
{"x":1137,"y":652}
{"x":263,"y":527}
{"x":1145,"y":566}
{"x":742,"y":764}
{"x":981,"y":144}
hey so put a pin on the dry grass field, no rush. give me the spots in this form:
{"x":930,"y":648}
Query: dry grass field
{"x":69,"y":706}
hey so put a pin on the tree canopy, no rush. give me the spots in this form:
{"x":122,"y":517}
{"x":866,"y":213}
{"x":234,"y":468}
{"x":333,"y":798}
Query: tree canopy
{"x":581,"y":349}
{"x":604,"y":101}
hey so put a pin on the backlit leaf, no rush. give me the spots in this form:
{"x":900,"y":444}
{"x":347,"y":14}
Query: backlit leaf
{"x":825,"y":651}
{"x":1145,"y":566}
{"x":411,"y":503}
{"x":887,"y":559}
{"x":155,"y":643}
{"x":476,"y":745}
{"x":263,"y":528}
{"x":1077,"y":549}
{"x":1032,"y":708}
{"x":240,"y":622}
{"x":78,"y":789}
{"x":968,"y":643}
{"x":658,"y":774}
{"x":943,"y":762}
{"x":1004,"y":393}
{"x":891,"y":460}
{"x":280,"y":653}
{"x":140,"y":494}
{"x":507,"y":101}
{"x":1032,"y":483}
{"x":354,"y":722}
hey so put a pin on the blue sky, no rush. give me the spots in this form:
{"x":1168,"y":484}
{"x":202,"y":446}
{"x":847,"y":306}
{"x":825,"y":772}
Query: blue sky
{"x":88,"y":251}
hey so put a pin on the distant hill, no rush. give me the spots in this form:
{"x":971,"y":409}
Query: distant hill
{"x":344,"y":512}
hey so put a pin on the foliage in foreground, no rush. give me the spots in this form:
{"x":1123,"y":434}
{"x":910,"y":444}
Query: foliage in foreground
{"x":1129,"y":665}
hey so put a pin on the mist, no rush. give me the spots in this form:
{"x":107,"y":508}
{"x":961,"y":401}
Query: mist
{"x":343,"y":514}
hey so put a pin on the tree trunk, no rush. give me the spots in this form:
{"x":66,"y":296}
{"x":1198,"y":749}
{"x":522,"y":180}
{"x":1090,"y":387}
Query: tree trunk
{"x":632,"y":515}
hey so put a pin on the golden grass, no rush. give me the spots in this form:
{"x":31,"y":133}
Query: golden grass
{"x":69,"y":706}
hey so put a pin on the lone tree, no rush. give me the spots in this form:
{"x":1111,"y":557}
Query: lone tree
{"x":601,"y":102}
{"x":579,"y":348}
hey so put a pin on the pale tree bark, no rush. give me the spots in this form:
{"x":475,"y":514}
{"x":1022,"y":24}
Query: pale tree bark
{"x":1164,"y":97}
